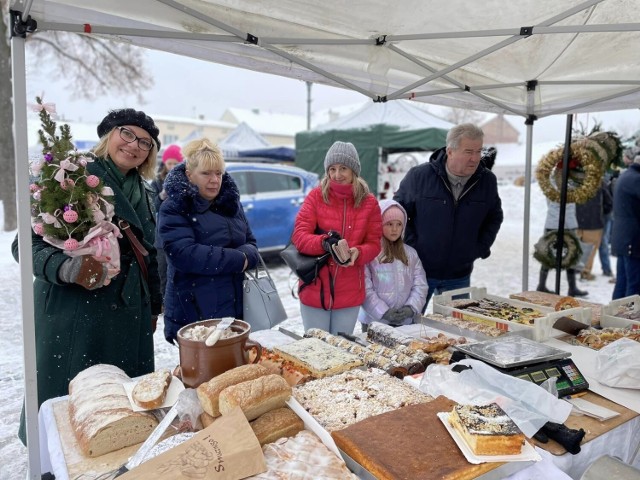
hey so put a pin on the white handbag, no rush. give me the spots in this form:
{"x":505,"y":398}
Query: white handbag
{"x":262,"y":305}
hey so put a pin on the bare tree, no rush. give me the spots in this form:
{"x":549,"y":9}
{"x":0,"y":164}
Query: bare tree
{"x":460,"y":115}
{"x":91,"y":66}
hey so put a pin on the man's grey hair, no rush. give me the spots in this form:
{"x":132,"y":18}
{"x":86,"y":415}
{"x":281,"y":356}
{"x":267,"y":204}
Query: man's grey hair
{"x":466,"y":130}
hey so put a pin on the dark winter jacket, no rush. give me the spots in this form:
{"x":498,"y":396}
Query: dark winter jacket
{"x":448,"y":234}
{"x":205,"y":244}
{"x":591,"y":214}
{"x":76,"y":328}
{"x":156,"y":186}
{"x":625,"y":235}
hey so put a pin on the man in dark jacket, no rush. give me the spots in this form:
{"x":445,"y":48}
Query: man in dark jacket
{"x":625,"y":236}
{"x":454,"y":210}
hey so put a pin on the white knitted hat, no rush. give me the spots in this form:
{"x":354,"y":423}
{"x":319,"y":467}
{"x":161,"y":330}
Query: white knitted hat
{"x":345,"y":154}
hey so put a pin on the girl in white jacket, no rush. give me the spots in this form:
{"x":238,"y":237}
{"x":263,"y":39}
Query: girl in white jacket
{"x":395,"y":282}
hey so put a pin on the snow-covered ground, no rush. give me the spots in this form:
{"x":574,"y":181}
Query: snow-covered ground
{"x":501,"y":274}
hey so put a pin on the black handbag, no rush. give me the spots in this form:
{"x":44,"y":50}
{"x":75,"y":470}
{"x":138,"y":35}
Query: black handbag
{"x":306,"y":267}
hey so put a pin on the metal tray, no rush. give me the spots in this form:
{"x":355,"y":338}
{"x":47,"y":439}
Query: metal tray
{"x":512,"y":351}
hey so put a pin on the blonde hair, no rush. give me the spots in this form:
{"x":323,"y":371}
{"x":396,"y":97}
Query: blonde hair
{"x":360,"y":189}
{"x":146,"y":169}
{"x":203,"y":152}
{"x":393,"y":251}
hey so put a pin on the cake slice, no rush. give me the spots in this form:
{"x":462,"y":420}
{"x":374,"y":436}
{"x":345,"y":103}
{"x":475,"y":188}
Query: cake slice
{"x":320,"y":358}
{"x":487,"y":429}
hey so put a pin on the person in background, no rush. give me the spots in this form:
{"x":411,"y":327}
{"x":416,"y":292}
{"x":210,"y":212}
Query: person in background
{"x":341,"y":207}
{"x":605,"y":243}
{"x":625,"y":235}
{"x":171,"y":157}
{"x":395,"y":282}
{"x":552,"y":222}
{"x":590,"y":217}
{"x":207,"y":239}
{"x":453,"y":208}
{"x":81,"y":317}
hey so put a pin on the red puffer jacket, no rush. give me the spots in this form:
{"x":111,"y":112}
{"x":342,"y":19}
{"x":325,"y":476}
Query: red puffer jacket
{"x":361,"y":227}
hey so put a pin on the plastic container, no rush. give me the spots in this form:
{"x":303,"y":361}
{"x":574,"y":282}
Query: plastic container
{"x":609,"y":318}
{"x":541,"y":330}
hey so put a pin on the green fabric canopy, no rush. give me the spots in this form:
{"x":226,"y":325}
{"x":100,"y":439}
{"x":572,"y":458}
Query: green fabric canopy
{"x":372,"y":143}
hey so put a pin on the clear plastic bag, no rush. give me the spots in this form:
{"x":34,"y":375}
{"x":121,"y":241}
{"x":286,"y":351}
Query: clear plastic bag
{"x":618,"y":364}
{"x":528,"y":405}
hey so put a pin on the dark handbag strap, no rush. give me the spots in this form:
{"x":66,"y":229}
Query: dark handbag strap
{"x":138,"y":249}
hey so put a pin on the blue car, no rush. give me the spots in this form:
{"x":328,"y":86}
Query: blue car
{"x":271,"y":195}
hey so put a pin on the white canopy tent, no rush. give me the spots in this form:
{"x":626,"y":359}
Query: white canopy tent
{"x":531,"y":58}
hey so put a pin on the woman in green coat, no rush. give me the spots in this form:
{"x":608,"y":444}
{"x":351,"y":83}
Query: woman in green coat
{"x":82,"y":318}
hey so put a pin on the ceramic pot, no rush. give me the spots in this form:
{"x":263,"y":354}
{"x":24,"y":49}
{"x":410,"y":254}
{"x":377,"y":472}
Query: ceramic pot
{"x":199,"y":363}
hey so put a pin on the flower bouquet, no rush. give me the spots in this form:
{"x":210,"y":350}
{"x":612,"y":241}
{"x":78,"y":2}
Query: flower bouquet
{"x":70,"y":208}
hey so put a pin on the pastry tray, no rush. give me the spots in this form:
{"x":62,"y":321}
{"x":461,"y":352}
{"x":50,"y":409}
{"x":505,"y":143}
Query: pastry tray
{"x":541,"y":330}
{"x":512,"y":351}
{"x":609,"y":316}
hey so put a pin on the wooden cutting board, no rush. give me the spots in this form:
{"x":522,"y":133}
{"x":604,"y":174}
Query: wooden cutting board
{"x":410,"y":442}
{"x":593,"y":427}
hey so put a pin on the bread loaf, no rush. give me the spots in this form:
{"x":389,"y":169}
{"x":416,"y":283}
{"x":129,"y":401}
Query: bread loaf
{"x":100,"y":413}
{"x":209,"y":392}
{"x":151,"y":390}
{"x":278,"y":423}
{"x":255,"y":397}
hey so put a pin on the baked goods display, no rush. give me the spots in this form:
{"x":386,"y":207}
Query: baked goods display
{"x":398,"y":361}
{"x":487,"y":429}
{"x":501,"y":310}
{"x":566,"y":303}
{"x":391,"y":337}
{"x":596,"y":338}
{"x":151,"y":390}
{"x":477,"y":327}
{"x":342,"y":400}
{"x":101,"y":414}
{"x":303,"y":457}
{"x":209,"y":392}
{"x":627,"y":311}
{"x":545,"y":299}
{"x":318,"y":357}
{"x":276,"y":424}
{"x":409,"y":443}
{"x":255,"y":397}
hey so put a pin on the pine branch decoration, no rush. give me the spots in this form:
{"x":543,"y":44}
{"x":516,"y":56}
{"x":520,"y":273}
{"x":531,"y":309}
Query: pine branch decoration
{"x":67,"y":201}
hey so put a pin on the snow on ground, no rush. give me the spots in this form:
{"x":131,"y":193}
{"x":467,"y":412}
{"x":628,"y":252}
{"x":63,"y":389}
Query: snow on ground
{"x":501,"y":274}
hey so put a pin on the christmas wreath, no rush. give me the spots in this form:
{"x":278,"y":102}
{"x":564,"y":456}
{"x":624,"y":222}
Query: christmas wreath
{"x":70,"y":208}
{"x":589,"y":158}
{"x":546,"y":248}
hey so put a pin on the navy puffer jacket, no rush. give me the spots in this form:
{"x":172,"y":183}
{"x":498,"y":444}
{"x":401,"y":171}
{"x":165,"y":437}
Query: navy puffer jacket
{"x":449,"y":235}
{"x":205,"y":244}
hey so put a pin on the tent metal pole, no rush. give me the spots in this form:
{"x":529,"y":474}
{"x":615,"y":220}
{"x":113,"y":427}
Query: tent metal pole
{"x":527,"y":206}
{"x":25,"y":252}
{"x":566,"y":157}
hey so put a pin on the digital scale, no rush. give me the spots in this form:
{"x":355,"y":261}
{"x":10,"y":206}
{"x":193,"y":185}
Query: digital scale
{"x":529,"y":360}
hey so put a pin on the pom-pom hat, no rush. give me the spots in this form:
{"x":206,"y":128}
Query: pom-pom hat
{"x":172,"y":152}
{"x":129,"y":116}
{"x":343,"y":153}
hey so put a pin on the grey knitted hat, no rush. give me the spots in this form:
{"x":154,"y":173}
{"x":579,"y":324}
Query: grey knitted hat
{"x":345,"y":154}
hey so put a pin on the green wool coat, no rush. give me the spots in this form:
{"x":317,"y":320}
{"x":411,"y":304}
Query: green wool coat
{"x":76,"y":328}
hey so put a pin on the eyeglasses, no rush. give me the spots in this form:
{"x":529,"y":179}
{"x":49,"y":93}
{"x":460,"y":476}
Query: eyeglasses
{"x":130,"y":137}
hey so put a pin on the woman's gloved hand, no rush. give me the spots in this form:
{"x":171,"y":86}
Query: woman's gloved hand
{"x":389,"y":315}
{"x":85,"y":271}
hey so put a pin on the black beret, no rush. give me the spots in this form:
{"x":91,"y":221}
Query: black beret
{"x":129,"y":116}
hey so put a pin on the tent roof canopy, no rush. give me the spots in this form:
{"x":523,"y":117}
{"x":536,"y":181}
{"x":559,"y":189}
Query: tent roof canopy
{"x":528,"y":58}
